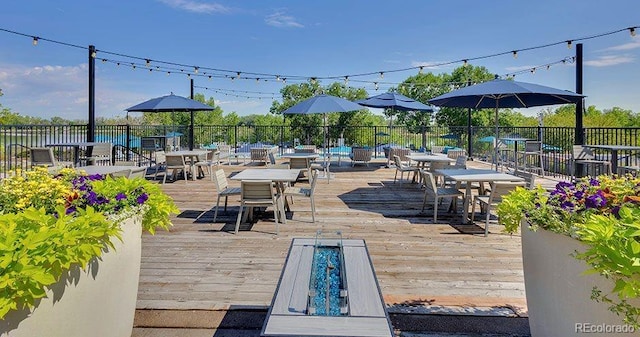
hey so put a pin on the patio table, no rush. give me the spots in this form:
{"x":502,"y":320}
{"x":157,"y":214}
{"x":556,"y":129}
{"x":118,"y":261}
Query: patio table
{"x":474,"y":176}
{"x":614,"y":152}
{"x":104,"y":169}
{"x":278,"y":176}
{"x":422,"y":159}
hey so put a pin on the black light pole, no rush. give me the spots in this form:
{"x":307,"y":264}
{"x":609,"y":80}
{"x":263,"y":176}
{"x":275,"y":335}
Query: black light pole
{"x":191,"y":125}
{"x":579,"y":132}
{"x":469,"y":129}
{"x":91,"y":125}
{"x":580,"y":105}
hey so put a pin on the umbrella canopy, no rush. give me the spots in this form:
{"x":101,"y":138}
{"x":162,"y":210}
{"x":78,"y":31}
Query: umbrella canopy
{"x":505,"y":94}
{"x":396,"y":101}
{"x":172,"y":103}
{"x":323,"y":104}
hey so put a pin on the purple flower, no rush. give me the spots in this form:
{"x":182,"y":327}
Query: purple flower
{"x":120,"y":196}
{"x":594,"y":182}
{"x":70,"y":210}
{"x":564,"y":185}
{"x":596,"y":201}
{"x":94,"y":177}
{"x":142,"y":198}
{"x":567,"y":205}
{"x":95,"y":199}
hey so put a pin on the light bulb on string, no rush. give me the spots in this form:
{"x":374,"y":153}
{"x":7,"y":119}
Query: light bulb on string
{"x":195,"y":70}
{"x":632,"y":31}
{"x":104,"y":60}
{"x":209,"y":77}
{"x":382,"y":74}
{"x":515,"y":54}
{"x":533,"y":71}
{"x":420,"y":69}
{"x":133,"y":66}
{"x":150,"y":69}
{"x":278,"y":78}
{"x":147,"y":61}
{"x":464,"y":63}
{"x":168,"y":73}
{"x":188,"y":75}
{"x":548,"y":66}
{"x":569,"y":44}
{"x":35,"y":40}
{"x":257,"y":80}
{"x":346,"y":80}
{"x":375,"y":84}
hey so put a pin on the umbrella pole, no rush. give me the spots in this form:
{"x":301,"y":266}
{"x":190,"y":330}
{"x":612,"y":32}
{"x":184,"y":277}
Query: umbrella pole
{"x":495,"y":149}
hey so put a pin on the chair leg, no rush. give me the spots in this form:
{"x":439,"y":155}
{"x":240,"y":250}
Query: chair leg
{"x":215,"y":214}
{"x":313,"y":210}
{"x":164,"y":177}
{"x":239,"y":218}
{"x":226,"y":198}
{"x":486,"y":224}
{"x":473,"y":208}
{"x":396,"y":175}
{"x":435,"y":210}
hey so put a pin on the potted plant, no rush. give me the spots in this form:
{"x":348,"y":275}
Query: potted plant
{"x":581,"y":254}
{"x":70,"y":249}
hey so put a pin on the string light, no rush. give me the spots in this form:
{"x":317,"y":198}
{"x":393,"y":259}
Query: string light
{"x":631,"y":30}
{"x":464,"y":63}
{"x":420,"y":71}
{"x":35,"y":40}
{"x":533,"y":70}
{"x":148,"y":62}
{"x":346,"y":80}
{"x":515,"y":54}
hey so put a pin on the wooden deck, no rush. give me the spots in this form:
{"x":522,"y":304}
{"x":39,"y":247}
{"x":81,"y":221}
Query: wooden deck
{"x":202,"y":265}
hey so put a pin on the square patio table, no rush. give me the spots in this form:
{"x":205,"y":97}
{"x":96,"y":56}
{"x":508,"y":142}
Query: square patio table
{"x":474,"y":176}
{"x":614,"y":152}
{"x":192,"y":157}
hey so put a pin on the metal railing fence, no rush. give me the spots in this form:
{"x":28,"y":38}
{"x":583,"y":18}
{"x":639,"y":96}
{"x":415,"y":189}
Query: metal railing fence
{"x":15,"y":140}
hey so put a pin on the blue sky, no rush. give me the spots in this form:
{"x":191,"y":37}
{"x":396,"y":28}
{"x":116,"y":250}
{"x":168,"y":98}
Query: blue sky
{"x":304,"y":38}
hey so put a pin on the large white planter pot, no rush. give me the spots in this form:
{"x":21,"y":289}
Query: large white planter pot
{"x":558,"y":293}
{"x":98,"y":302}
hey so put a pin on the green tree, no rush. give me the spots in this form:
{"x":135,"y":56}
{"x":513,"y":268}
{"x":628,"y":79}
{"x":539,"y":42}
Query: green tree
{"x":309,"y":126}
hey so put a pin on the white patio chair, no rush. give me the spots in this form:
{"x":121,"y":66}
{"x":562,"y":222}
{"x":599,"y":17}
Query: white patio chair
{"x":260,"y":155}
{"x":259,"y":193}
{"x":437,"y":193}
{"x":323,"y":165}
{"x":212,"y":159}
{"x":531,"y":149}
{"x":223,"y":189}
{"x":302,"y":164}
{"x":402,"y":168}
{"x":360,"y":156}
{"x":101,"y":153}
{"x":585,"y":156}
{"x":176,"y":163}
{"x":292,"y":191}
{"x":487,"y":202}
{"x":160,"y":160}
{"x":43,"y":156}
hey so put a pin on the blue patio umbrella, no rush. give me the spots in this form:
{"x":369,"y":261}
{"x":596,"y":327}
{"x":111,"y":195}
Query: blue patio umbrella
{"x":323,"y":104}
{"x":505,"y":94}
{"x":395,"y":101}
{"x":172,"y":103}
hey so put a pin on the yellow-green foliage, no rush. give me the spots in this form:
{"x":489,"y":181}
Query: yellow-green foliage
{"x":603,"y":213}
{"x":50,"y":223}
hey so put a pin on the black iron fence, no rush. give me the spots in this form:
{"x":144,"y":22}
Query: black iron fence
{"x":15,"y":140}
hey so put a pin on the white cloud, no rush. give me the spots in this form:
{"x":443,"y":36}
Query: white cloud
{"x":53,"y":90}
{"x":428,"y":64}
{"x":281,"y":19}
{"x":519,"y":68}
{"x":627,"y":46}
{"x":611,"y":60}
{"x":197,"y":7}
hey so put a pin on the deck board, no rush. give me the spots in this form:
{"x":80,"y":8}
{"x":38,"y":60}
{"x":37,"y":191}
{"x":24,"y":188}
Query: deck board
{"x":199,"y":264}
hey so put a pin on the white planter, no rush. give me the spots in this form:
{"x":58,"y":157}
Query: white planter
{"x":559,"y":294}
{"x":99,"y":302}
